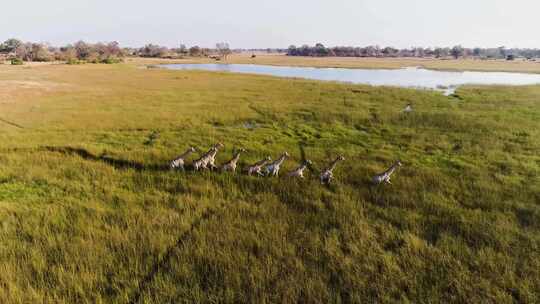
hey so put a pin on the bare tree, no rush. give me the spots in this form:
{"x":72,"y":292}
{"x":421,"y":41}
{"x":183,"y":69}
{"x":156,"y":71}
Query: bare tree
{"x":223,"y":49}
{"x":40,"y":52}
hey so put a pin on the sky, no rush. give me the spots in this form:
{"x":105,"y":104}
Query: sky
{"x":276,"y":23}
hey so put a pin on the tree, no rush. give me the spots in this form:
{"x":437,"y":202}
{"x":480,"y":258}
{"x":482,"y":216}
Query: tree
{"x":370,"y":51}
{"x":502,"y":52}
{"x":40,"y":52}
{"x":418,"y":52}
{"x":320,"y":50}
{"x":477,"y":52}
{"x":389,"y":52}
{"x":195,"y":51}
{"x":152,"y":50}
{"x":304,"y":50}
{"x":457,"y":51}
{"x":292,"y":51}
{"x":10,"y":45}
{"x":67,"y":53}
{"x":24,"y":52}
{"x":223,"y":49}
{"x":83,"y":50}
{"x":113,"y":49}
{"x":183,"y":49}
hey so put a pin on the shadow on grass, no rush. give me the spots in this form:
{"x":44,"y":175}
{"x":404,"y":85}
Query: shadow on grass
{"x":117,"y":163}
{"x":165,"y":260}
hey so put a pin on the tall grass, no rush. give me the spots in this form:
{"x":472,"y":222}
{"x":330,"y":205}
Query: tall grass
{"x":89,"y":212}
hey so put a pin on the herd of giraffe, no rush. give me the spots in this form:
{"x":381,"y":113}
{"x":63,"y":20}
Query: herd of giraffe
{"x":265,"y":167}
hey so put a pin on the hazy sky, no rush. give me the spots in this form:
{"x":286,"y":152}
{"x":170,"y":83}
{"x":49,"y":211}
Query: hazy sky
{"x":276,"y":23}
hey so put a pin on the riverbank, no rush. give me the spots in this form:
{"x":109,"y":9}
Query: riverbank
{"x":519,"y":66}
{"x":364,"y":63}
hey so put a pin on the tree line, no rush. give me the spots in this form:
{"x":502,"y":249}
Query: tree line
{"x":109,"y":52}
{"x":222,"y":50}
{"x":319,"y":50}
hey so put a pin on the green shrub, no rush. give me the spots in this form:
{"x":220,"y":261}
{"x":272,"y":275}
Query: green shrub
{"x":16,"y":61}
{"x":73,"y":61}
{"x":111,"y":60}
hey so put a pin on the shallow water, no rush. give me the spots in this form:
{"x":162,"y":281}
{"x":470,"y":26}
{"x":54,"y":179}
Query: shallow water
{"x":412,"y":77}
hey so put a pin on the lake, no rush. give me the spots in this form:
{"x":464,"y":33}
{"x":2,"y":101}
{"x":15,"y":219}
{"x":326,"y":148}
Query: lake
{"x":445,"y":81}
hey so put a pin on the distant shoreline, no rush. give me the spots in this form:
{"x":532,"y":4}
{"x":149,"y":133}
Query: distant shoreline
{"x":459,"y":65}
{"x":517,"y":66}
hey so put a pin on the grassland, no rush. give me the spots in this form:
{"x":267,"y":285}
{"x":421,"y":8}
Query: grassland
{"x":375,"y":63}
{"x":88,"y":213}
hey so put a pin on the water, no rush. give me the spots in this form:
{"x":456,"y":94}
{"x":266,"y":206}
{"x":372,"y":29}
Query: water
{"x":412,"y":77}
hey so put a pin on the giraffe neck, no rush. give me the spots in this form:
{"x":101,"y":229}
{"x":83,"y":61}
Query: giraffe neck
{"x":333,"y":165}
{"x":208,"y":152}
{"x":236,"y":157}
{"x":280,"y":160}
{"x":213,"y":152}
{"x":391,"y":170}
{"x":186,"y":154}
{"x":262,"y":163}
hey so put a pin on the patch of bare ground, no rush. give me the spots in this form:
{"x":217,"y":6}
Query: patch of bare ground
{"x":10,"y":90}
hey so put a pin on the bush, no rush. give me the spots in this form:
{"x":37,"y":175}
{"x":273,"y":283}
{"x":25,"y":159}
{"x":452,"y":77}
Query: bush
{"x":73,"y":61}
{"x":111,"y":60}
{"x":16,"y":61}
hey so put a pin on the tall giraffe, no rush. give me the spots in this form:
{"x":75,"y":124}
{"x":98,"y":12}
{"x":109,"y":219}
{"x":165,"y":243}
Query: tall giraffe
{"x":207,"y":158}
{"x":231,"y":164}
{"x":179,"y":161}
{"x":299,"y":172}
{"x":257,"y":167}
{"x":327,"y":175}
{"x":385,"y":176}
{"x":273,"y":168}
{"x":212,"y":156}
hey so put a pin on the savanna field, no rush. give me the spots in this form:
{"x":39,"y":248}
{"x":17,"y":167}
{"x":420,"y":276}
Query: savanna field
{"x":90,"y":212}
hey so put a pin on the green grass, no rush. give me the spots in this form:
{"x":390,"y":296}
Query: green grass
{"x":88,"y":214}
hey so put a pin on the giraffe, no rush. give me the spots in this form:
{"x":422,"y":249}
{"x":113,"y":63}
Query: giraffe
{"x":273,"y":168}
{"x":299,"y":172}
{"x":178,"y":162}
{"x":327,"y":175}
{"x":257,"y":167}
{"x":385,"y":176}
{"x":207,"y":158}
{"x":212,"y":156}
{"x":408,"y":108}
{"x":231,"y":164}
